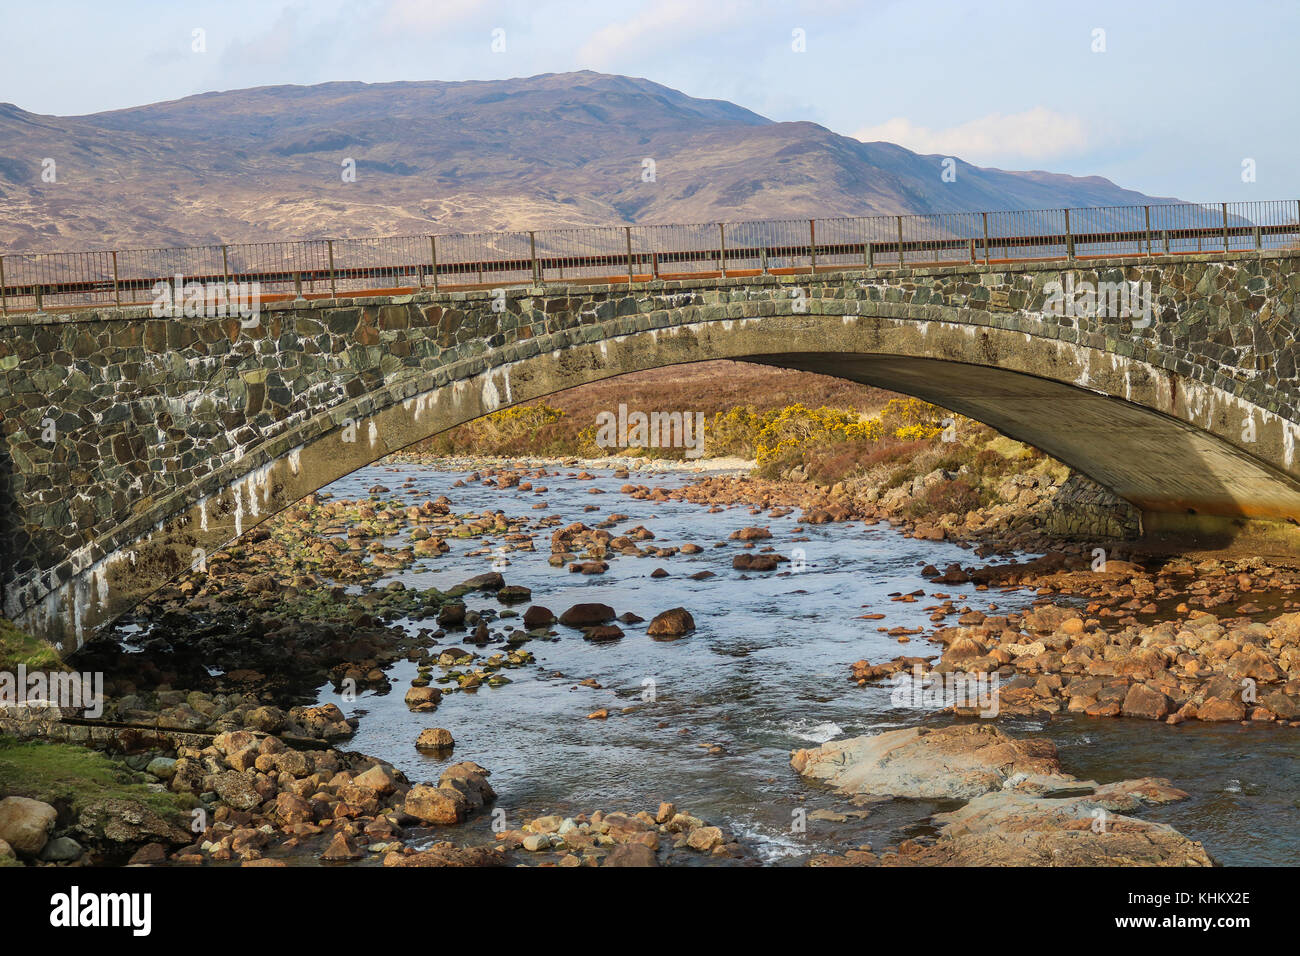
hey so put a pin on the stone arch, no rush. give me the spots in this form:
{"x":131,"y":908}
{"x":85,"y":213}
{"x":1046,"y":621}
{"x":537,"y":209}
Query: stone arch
{"x":1170,"y":446}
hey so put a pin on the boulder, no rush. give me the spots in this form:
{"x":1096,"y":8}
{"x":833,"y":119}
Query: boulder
{"x":514,"y":594}
{"x":1143,"y":700}
{"x":587,"y":615}
{"x":435,"y":738}
{"x":957,"y":762}
{"x":448,"y":854}
{"x":423,"y":699}
{"x":114,"y":821}
{"x":1218,"y":708}
{"x":538,"y":616}
{"x":26,"y":824}
{"x":602,"y":633}
{"x":436,"y":805}
{"x":1007,"y":828}
{"x":671,"y":623}
{"x":631,"y":854}
{"x":237,"y":790}
{"x":341,"y":848}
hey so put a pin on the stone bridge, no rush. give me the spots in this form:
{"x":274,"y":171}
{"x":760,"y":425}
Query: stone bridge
{"x":131,"y":441}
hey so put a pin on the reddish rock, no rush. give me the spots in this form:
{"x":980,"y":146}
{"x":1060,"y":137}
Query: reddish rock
{"x":1145,"y":701}
{"x":538,"y":616}
{"x":671,"y":623}
{"x":587,"y":615}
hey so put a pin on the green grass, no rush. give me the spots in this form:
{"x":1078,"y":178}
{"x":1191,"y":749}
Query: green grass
{"x":68,"y":775}
{"x":18,"y":648}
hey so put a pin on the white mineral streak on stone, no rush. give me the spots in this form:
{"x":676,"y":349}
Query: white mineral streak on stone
{"x":295,"y":460}
{"x":239,"y":511}
{"x":203,"y":514}
{"x":372,"y":432}
{"x":491,"y":398}
{"x":1204,"y":399}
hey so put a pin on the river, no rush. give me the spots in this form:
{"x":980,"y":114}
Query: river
{"x":765,"y":671}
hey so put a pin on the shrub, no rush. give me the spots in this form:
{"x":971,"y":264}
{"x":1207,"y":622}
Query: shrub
{"x":955,"y":496}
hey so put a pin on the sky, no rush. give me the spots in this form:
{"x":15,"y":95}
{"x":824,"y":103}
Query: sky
{"x":1194,"y":100}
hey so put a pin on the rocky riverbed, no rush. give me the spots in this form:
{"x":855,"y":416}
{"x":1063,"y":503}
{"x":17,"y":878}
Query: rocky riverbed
{"x":632,"y":643}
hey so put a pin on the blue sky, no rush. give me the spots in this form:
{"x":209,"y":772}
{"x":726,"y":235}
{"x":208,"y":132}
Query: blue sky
{"x":1181,"y":96}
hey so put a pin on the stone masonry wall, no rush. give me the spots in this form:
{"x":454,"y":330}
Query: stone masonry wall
{"x":113,"y":420}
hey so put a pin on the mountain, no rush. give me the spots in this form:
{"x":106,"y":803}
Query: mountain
{"x":434,"y":157}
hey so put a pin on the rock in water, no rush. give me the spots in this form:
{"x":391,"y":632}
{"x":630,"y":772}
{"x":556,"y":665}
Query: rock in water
{"x":631,"y":854}
{"x":435,"y":738}
{"x":957,"y":762}
{"x":1014,"y":829}
{"x":587,"y":615}
{"x":538,"y":616}
{"x":672,"y":623}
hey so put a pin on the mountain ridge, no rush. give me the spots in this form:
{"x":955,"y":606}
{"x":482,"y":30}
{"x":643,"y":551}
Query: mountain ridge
{"x":553,"y":150}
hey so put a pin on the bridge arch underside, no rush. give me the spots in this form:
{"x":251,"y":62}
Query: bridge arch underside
{"x":1170,"y":446}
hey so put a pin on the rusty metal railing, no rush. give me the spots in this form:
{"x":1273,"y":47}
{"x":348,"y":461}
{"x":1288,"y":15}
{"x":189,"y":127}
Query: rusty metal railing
{"x":317,"y":268}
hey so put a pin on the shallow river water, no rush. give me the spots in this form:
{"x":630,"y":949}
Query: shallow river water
{"x":765,"y":671}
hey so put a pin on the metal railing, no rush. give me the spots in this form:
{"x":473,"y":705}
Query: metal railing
{"x":316,"y":268}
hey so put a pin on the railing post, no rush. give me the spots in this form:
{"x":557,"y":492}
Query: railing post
{"x":812,"y":244}
{"x":870,"y":254}
{"x":1164,"y":239}
{"x":297,"y":285}
{"x":971,"y":250}
{"x":654,"y":264}
{"x":4,"y":307}
{"x":1069,"y":238}
{"x":1259,"y":239}
{"x":329,"y":248}
{"x":117,"y":292}
{"x":40,"y":300}
{"x":631,"y":277}
{"x":900,"y":241}
{"x":433,"y":261}
{"x":532,"y":256}
{"x":1147,"y":211}
{"x":986,"y":236}
{"x":762,"y":259}
{"x":1225,"y":226}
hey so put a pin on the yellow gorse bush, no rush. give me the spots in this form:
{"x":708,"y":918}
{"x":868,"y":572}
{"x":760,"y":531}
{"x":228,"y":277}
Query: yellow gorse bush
{"x":796,"y":428}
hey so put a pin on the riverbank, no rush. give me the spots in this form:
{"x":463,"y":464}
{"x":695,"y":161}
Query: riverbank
{"x":369,"y":590}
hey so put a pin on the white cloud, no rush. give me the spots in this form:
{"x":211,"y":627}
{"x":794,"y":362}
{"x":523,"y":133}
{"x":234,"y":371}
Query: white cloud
{"x":1035,"y":134}
{"x":665,"y":22}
